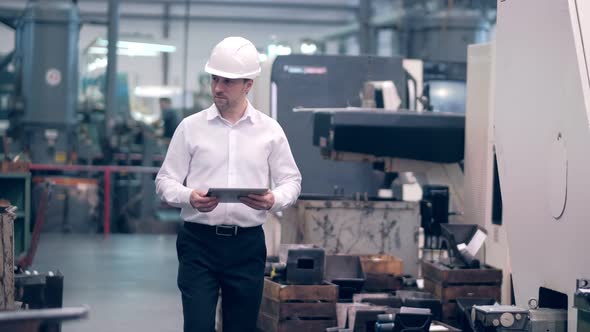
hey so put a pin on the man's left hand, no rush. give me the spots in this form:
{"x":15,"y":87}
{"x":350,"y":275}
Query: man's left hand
{"x":259,"y":202}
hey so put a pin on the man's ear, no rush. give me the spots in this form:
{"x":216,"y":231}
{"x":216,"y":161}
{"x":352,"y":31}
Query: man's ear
{"x":248,"y":83}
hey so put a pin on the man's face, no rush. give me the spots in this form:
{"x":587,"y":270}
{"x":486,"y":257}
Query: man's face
{"x":229,"y":93}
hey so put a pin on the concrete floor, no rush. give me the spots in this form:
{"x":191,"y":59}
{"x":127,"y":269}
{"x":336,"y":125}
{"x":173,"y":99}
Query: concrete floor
{"x":127,"y":280}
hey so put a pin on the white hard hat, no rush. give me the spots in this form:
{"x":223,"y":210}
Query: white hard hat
{"x":234,"y":57}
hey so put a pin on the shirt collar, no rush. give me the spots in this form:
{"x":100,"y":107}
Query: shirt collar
{"x":251,"y":113}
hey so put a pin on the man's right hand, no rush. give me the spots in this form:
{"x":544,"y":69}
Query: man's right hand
{"x":203,"y":203}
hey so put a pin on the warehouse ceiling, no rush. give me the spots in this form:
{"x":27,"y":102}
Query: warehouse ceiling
{"x":289,"y":12}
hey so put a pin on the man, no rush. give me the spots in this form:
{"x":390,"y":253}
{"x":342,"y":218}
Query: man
{"x":230,"y":144}
{"x":169,"y":116}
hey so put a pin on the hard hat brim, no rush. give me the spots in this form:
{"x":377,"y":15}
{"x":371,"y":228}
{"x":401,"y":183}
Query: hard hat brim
{"x":224,"y":74}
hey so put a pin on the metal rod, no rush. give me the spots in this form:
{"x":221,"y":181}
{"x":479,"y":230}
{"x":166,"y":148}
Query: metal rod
{"x":165,"y":55}
{"x":107,"y":204}
{"x":113,"y":35}
{"x":187,"y":14}
{"x":366,"y":37}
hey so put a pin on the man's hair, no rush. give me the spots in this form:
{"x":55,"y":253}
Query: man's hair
{"x":165,"y":100}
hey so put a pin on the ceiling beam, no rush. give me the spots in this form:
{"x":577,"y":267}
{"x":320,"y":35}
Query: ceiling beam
{"x":245,"y":4}
{"x":96,"y":17}
{"x":101,"y":18}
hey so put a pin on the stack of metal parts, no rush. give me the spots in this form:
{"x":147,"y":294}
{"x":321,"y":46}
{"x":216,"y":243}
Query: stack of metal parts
{"x":408,"y":319}
{"x":392,"y":303}
{"x":368,"y":309}
{"x":295,"y":295}
{"x":29,"y":302}
{"x":461,"y":275}
{"x":346,"y":271}
{"x":425,"y":300}
{"x":449,"y":284}
{"x":306,"y":272}
{"x":404,"y":298}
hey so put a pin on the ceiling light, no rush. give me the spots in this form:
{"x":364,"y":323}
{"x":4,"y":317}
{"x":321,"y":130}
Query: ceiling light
{"x":308,"y":48}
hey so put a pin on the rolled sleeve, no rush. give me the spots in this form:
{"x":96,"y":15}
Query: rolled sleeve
{"x":285,"y":175}
{"x":174,"y":170}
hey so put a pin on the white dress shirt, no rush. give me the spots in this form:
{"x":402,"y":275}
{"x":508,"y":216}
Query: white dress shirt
{"x":207,"y":151}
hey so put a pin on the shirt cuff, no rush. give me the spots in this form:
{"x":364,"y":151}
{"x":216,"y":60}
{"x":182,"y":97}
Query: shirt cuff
{"x":278,"y":205}
{"x":186,"y":196}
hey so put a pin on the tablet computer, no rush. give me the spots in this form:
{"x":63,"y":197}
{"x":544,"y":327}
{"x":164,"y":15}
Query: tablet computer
{"x":232,"y":195}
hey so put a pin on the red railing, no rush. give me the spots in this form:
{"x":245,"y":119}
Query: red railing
{"x":107,"y":170}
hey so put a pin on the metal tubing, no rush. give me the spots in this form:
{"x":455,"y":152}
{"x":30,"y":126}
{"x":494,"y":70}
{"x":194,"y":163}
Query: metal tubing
{"x":113,"y":36}
{"x":187,"y":14}
{"x":166,"y":56}
{"x":107,"y":204}
{"x":366,"y":36}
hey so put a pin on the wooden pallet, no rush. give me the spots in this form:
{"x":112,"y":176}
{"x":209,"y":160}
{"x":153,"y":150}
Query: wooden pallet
{"x":383,"y":273}
{"x":382,"y":264}
{"x":289,"y":308}
{"x":376,"y":282}
{"x":449,"y":284}
{"x":442,"y":274}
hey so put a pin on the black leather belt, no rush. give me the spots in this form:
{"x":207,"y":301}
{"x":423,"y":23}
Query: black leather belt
{"x":219,"y":230}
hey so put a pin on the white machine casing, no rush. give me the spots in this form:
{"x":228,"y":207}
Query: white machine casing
{"x":542,"y":107}
{"x":479,"y":159}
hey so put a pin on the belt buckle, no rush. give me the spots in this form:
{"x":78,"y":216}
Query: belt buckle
{"x":227,"y":227}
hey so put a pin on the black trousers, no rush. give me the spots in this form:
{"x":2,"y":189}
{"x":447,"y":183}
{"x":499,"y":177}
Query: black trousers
{"x":209,"y":262}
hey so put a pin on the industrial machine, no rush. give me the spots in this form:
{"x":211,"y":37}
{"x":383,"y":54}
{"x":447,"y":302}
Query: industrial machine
{"x":303,"y":81}
{"x":348,"y":152}
{"x":64,"y":120}
{"x":302,"y":92}
{"x":46,"y":81}
{"x":426,"y":143}
{"x":540,"y":92}
{"x":540,"y":126}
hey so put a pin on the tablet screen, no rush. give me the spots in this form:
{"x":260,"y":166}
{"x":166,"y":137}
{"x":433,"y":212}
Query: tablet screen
{"x":232,"y":195}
